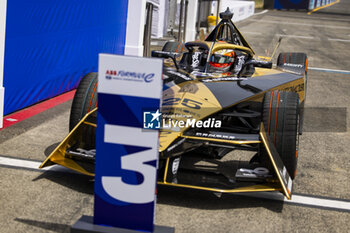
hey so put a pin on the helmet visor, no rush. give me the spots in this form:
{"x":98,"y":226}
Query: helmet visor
{"x":220,"y":61}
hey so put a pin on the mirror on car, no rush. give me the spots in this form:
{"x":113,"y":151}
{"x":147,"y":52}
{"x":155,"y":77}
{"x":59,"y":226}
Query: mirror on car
{"x":248,"y":67}
{"x":163,"y":54}
{"x":260,"y":63}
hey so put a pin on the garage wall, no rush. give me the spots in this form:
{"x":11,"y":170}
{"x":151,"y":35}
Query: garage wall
{"x":2,"y":52}
{"x":50,"y":44}
{"x":241,"y":9}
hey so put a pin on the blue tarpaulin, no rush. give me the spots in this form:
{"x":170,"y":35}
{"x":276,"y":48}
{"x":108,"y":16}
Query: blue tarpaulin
{"x":51,"y":44}
{"x":291,"y":4}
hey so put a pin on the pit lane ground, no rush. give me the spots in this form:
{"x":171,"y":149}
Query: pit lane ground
{"x":51,"y":201}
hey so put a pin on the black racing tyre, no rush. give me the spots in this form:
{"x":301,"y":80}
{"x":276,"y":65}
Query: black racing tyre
{"x":292,"y":58}
{"x":174,"y":47}
{"x":280,"y":119}
{"x":85,"y":99}
{"x":297,"y":59}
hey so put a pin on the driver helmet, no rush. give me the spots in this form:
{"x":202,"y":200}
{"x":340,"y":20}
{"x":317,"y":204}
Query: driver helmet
{"x":221,"y":62}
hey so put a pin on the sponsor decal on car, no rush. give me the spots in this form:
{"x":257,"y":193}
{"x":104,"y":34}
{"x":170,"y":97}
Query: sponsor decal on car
{"x":215,"y":135}
{"x":179,"y":75}
{"x":223,"y":79}
{"x":175,"y":167}
{"x":293,"y":65}
{"x":240,"y":63}
{"x":195,"y":59}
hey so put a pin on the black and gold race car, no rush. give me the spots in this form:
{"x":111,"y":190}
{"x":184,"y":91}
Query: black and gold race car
{"x":230,"y":119}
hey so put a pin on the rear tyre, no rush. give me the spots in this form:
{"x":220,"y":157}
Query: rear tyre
{"x":280,"y":119}
{"x":292,"y":58}
{"x":85,"y":99}
{"x":173,"y":47}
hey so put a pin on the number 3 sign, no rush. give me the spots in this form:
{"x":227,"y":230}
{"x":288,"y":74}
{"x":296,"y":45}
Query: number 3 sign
{"x":126,"y":154}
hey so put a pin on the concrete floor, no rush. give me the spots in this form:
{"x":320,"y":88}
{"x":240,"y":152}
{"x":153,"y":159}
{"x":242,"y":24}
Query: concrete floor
{"x":32,"y":201}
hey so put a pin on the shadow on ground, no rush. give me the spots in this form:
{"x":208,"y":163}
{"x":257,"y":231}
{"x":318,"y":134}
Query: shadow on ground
{"x":45,"y":225}
{"x":197,"y":199}
{"x":50,"y":148}
{"x":74,"y":181}
{"x":170,"y":195}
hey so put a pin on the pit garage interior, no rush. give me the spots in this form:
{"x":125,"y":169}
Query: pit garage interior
{"x":34,"y":200}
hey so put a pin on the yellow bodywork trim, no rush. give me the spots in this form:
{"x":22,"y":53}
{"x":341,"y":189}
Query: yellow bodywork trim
{"x":58,"y":155}
{"x":240,"y":142}
{"x":211,"y":105}
{"x":89,"y":123}
{"x":219,"y":46}
{"x":166,"y":169}
{"x":262,"y":71}
{"x":271,"y":186}
{"x":193,"y":90}
{"x":265,"y":58}
{"x":263,"y":136}
{"x":253,"y":188}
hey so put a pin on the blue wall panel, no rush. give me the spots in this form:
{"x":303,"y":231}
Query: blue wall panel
{"x":291,"y":4}
{"x":50,"y":44}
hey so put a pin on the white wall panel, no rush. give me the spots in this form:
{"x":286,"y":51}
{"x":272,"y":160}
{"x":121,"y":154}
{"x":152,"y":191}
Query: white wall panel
{"x":135,"y":27}
{"x":3,"y":4}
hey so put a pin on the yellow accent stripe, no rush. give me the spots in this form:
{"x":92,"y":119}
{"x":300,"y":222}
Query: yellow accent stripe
{"x":58,"y":155}
{"x":253,"y":188}
{"x":221,"y":140}
{"x":321,"y":7}
{"x":265,"y":58}
{"x":166,"y":169}
{"x":263,"y":136}
{"x":89,"y":123}
{"x":230,"y":46}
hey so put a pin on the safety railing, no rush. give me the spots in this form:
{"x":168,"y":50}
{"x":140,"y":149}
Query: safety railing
{"x":148,"y":30}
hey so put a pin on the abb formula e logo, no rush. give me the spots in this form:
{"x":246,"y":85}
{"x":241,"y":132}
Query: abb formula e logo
{"x":129,"y":76}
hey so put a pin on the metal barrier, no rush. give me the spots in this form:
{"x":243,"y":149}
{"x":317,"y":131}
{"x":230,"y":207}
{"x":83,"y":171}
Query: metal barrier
{"x":185,"y":21}
{"x":148,"y":30}
{"x":182,"y":30}
{"x":179,"y":34}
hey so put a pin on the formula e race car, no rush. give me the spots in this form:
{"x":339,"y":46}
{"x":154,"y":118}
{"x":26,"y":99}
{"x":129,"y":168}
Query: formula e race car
{"x":230,"y":119}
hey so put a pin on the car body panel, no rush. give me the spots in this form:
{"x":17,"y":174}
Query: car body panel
{"x":199,"y":94}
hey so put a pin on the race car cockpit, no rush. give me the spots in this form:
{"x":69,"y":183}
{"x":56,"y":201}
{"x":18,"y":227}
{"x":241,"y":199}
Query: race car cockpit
{"x":224,"y":51}
{"x":213,"y":56}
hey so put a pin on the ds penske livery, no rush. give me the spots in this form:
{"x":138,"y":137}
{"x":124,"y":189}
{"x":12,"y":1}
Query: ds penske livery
{"x":218,"y":98}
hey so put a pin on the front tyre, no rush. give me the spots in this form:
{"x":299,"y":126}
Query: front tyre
{"x":85,"y":99}
{"x":296,"y":62}
{"x":280,"y":119}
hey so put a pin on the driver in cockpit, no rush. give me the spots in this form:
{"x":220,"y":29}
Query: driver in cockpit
{"x":232,"y":61}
